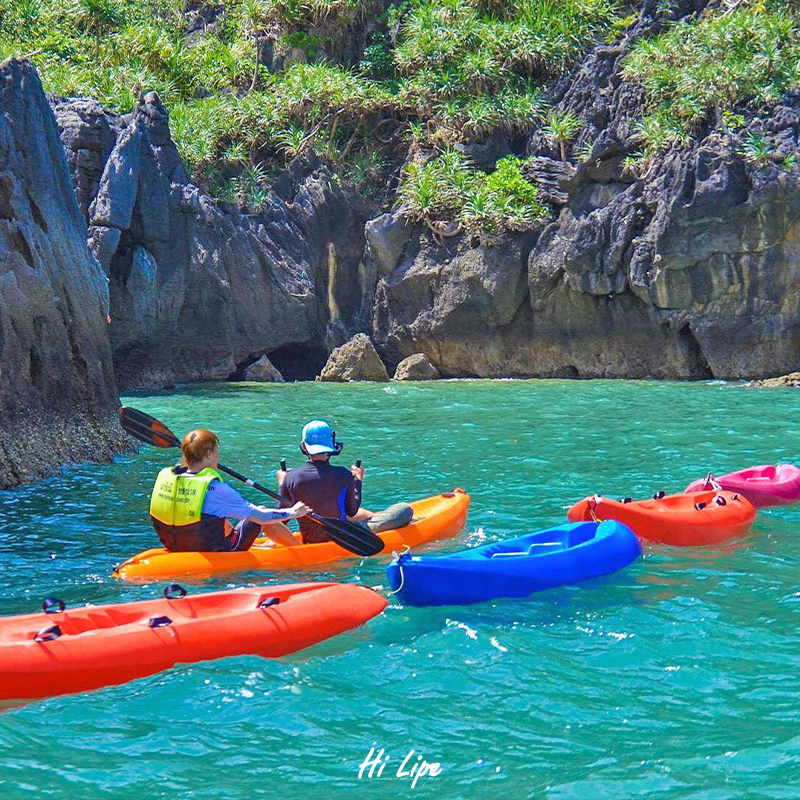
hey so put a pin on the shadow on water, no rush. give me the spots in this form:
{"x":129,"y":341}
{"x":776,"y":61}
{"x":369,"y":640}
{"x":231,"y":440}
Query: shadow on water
{"x":13,"y":705}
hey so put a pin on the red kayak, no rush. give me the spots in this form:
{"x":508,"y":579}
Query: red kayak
{"x":72,"y":650}
{"x":764,"y":486}
{"x":678,"y":519}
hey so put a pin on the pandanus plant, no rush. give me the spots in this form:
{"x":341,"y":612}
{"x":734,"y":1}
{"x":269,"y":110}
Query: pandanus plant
{"x":561,"y":128}
{"x":715,"y":65}
{"x":98,"y":18}
{"x":254,"y":19}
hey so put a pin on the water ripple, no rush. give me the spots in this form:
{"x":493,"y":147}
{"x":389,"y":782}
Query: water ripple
{"x":674,"y":679}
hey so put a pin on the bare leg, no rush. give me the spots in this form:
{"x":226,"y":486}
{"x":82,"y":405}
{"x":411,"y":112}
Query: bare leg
{"x":361,"y":515}
{"x":280,"y":534}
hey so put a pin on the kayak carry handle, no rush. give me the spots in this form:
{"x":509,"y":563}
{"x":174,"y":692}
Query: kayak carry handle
{"x":47,"y":634}
{"x":269,"y":601}
{"x":700,"y":506}
{"x":721,"y":501}
{"x":626,"y":500}
{"x":174,"y":591}
{"x":660,"y":495}
{"x":159,"y":622}
{"x":283,"y":465}
{"x":53,"y":605}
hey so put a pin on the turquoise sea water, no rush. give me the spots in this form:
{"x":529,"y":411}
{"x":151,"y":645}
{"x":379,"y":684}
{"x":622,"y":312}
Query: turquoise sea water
{"x":676,"y":678}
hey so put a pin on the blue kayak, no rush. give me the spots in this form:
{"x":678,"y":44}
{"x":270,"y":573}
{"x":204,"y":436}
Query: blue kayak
{"x":569,"y":553}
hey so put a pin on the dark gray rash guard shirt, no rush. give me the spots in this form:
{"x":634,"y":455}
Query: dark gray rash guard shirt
{"x":330,"y":491}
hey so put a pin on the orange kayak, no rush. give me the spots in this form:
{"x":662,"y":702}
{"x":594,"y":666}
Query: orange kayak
{"x":437,"y":517}
{"x":74,"y":650}
{"x":680,"y":519}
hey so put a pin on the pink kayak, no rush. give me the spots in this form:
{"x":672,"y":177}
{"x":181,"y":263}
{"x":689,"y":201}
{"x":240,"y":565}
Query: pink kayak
{"x":763,"y":486}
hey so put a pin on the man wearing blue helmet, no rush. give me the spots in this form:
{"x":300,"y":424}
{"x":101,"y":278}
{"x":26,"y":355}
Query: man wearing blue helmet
{"x":333,"y":492}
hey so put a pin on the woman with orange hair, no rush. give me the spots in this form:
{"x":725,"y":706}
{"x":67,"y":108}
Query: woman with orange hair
{"x":190,"y":504}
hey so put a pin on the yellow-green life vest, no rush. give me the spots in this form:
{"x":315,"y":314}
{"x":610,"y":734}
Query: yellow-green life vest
{"x":177,"y":499}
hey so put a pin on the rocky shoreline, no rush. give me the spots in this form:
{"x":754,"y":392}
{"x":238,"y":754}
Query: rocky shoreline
{"x":686,"y":271}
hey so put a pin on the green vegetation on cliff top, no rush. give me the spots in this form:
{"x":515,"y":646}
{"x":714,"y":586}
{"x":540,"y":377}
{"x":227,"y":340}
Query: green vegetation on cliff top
{"x":455,"y":70}
{"x":433,"y":74}
{"x":713,"y":66}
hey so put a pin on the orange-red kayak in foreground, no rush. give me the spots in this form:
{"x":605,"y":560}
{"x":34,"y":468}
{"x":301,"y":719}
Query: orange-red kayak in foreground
{"x":85,"y":648}
{"x":695,"y":519}
{"x":437,"y":517}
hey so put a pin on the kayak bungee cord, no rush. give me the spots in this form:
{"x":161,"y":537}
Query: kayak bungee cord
{"x":396,"y":557}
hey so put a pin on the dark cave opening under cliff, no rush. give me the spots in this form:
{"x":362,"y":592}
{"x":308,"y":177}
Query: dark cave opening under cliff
{"x":697,"y":362}
{"x":296,"y":362}
{"x":299,"y":362}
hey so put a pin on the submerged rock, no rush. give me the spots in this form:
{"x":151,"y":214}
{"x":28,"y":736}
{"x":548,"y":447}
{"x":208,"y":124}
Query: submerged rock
{"x":263,"y":371}
{"x":356,"y":360}
{"x":57,"y":391}
{"x":416,"y":368}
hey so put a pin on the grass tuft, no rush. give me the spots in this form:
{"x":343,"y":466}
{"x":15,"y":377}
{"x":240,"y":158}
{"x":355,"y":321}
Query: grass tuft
{"x":701,"y":71}
{"x":448,"y":188}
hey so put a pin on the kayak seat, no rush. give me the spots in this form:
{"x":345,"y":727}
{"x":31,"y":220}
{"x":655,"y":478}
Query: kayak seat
{"x":536,"y":549}
{"x":542,"y":543}
{"x":580,"y":535}
{"x":200,"y":606}
{"x":84,"y":620}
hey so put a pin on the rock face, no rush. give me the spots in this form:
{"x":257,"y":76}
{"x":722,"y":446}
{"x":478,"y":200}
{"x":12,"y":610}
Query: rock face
{"x":263,"y":371}
{"x":416,"y":368}
{"x":355,"y":360}
{"x":465,"y":310}
{"x":687,"y":271}
{"x":690,"y":270}
{"x":386,"y":238}
{"x":197,"y":287}
{"x":57,"y":391}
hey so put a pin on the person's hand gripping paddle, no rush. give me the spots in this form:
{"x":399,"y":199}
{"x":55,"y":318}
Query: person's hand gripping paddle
{"x":349,"y":535}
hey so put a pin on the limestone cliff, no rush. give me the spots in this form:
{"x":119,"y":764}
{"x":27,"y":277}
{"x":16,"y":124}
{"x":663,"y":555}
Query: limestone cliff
{"x":57,"y":390}
{"x":685,"y":269}
{"x":689,"y":270}
{"x":199,"y":289}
